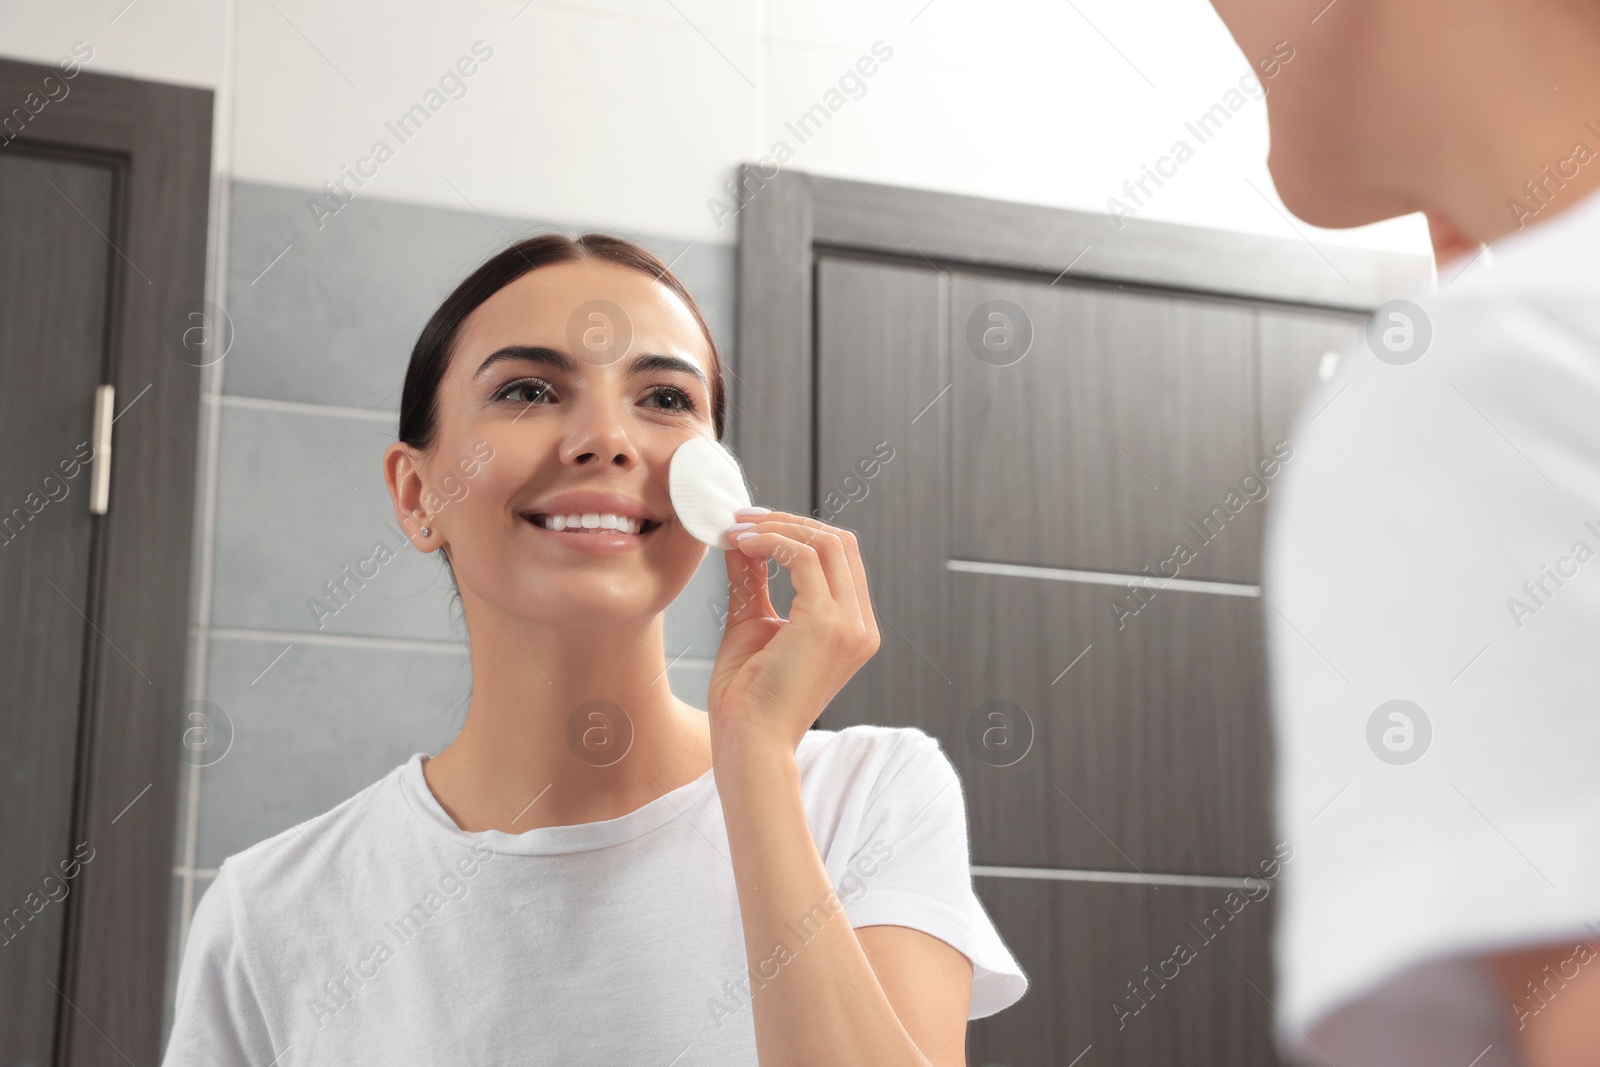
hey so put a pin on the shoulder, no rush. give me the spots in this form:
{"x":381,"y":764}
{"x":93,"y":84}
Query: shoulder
{"x":1521,"y":315}
{"x":1551,"y":256}
{"x":1497,"y":406}
{"x":868,"y":761}
{"x":1524,"y":319}
{"x":867,"y":748}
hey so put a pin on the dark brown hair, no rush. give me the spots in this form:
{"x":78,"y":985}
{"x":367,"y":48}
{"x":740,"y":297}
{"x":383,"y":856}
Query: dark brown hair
{"x":430,"y":357}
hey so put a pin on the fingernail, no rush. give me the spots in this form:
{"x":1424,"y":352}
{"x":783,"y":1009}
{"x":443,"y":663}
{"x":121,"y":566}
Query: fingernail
{"x":747,"y":533}
{"x":752,"y":510}
{"x":740,"y":526}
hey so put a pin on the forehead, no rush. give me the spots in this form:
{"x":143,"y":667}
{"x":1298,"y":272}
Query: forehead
{"x":553,"y":305}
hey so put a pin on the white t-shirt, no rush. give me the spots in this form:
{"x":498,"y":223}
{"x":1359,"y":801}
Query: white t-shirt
{"x":381,"y":932}
{"x":1436,"y":540}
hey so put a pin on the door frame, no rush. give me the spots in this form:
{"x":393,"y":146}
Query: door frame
{"x":787,"y":219}
{"x":157,"y":140}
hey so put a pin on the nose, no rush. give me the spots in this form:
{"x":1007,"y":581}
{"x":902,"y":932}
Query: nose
{"x":599,"y":438}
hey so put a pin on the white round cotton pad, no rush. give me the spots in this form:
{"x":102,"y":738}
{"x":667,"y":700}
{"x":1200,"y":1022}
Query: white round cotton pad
{"x":707,"y":486}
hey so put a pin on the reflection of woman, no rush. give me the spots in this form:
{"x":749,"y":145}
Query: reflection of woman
{"x":594,"y":871}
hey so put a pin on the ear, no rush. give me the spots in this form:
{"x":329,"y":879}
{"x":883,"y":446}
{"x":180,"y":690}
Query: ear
{"x":404,"y":479}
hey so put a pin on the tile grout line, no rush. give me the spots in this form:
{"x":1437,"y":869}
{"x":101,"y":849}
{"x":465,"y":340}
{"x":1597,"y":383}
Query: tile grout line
{"x":306,"y":407}
{"x":377,"y":641}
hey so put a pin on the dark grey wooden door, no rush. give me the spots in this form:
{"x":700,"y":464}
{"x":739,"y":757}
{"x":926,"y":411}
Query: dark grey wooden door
{"x":53,"y":273}
{"x":1024,"y":413}
{"x":1114,"y":745}
{"x":103,"y":204}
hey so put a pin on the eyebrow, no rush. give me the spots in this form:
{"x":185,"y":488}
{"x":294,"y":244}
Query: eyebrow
{"x":650,"y":361}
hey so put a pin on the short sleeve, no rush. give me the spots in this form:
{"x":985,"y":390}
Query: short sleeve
{"x":217,"y":1018}
{"x":911,"y":867}
{"x":1433,"y":595}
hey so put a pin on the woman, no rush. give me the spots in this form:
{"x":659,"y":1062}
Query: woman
{"x":594,"y":871}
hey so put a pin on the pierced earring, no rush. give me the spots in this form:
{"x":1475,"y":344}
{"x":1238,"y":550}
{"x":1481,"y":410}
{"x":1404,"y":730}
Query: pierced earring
{"x":424,"y":531}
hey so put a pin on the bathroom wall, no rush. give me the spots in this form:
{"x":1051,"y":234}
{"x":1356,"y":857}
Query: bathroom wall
{"x":622,"y":115}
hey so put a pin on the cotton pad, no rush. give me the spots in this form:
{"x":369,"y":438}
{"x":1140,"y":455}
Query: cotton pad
{"x":707,"y":486}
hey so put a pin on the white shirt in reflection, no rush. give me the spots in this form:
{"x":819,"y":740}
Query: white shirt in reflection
{"x":381,"y":932}
{"x":1437,"y":541}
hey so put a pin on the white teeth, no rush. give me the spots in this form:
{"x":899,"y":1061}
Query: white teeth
{"x":592,"y":521}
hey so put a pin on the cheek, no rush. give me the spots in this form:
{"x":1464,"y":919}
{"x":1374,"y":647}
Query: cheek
{"x":681,"y":551}
{"x":479,"y":504}
{"x":679,"y":542}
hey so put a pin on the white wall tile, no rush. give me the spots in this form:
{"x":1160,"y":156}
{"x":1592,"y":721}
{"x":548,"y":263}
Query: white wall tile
{"x":163,"y":40}
{"x":625,"y":123}
{"x":633,"y":113}
{"x":1047,"y":113}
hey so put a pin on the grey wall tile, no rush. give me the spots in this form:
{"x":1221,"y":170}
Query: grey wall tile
{"x":333,"y":320}
{"x":301,"y":498}
{"x":324,"y":723}
{"x":709,"y":272}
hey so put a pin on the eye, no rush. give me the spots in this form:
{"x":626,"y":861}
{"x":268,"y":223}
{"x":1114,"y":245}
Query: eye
{"x":683,"y":399}
{"x":503,"y":392}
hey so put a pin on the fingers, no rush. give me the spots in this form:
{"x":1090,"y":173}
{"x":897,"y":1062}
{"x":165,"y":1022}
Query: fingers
{"x":858,"y":571}
{"x":812,"y":563}
{"x":837,"y":554}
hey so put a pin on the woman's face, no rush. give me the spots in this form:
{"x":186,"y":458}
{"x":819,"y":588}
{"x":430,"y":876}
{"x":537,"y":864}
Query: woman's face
{"x":577,"y":377}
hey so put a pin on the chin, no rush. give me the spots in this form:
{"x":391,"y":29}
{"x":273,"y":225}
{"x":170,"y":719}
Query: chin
{"x":1321,"y":195}
{"x":598,"y":610}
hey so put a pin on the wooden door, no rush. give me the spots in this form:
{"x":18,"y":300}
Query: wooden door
{"x":1021,"y":451}
{"x":103,"y":193}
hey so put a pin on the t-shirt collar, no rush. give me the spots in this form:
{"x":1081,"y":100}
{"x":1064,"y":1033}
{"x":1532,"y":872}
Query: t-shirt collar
{"x":548,"y":840}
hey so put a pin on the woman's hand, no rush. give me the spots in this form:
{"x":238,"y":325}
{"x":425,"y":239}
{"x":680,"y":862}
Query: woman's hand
{"x":774,"y":676}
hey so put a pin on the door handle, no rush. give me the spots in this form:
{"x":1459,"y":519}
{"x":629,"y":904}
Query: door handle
{"x":100,"y":473}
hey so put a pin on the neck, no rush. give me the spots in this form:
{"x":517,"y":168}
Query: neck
{"x":567,"y":724}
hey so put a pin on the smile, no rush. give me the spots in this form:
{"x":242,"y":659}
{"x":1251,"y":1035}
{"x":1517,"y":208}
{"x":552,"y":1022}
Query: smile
{"x":592,"y":523}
